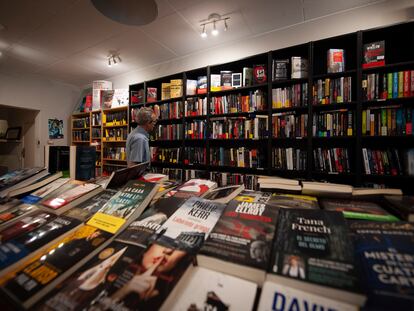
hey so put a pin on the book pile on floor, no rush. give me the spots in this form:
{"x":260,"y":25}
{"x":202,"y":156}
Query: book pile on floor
{"x":143,"y":242}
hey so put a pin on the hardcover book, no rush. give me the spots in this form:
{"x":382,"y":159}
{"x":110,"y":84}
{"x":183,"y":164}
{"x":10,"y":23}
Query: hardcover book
{"x":247,"y":76}
{"x":280,"y":69}
{"x":204,"y":289}
{"x":259,"y":74}
{"x":357,"y":209}
{"x":34,"y":278}
{"x":151,"y":94}
{"x":224,"y":194}
{"x":374,"y":54}
{"x":280,"y":297}
{"x":241,"y":241}
{"x":107,"y":98}
{"x":312,"y":253}
{"x":226,"y":79}
{"x":191,"y":87}
{"x":202,"y":85}
{"x":299,"y":67}
{"x":123,"y":207}
{"x":215,"y":82}
{"x":385,"y":253}
{"x":336,"y":60}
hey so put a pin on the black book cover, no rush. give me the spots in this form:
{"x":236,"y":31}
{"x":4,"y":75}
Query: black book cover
{"x":59,"y":159}
{"x":403,"y":206}
{"x":16,"y":249}
{"x":313,"y":246}
{"x":244,"y":232}
{"x":85,"y":162}
{"x":385,"y":253}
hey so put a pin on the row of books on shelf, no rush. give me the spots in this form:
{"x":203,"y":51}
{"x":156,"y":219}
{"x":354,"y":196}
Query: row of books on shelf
{"x":169,"y":131}
{"x":96,"y":133}
{"x":289,"y":159}
{"x":114,"y":153}
{"x":173,"y":110}
{"x":333,"y":123}
{"x":115,"y":118}
{"x":239,"y":127}
{"x":196,"y":129}
{"x":392,"y":162}
{"x":290,"y":96}
{"x":115,"y":134}
{"x":332,"y":160}
{"x":289,"y":125}
{"x":387,"y":121}
{"x":331,"y":91}
{"x":83,"y":122}
{"x":286,"y":244}
{"x":195,"y":106}
{"x":228,"y":79}
{"x":96,"y":119}
{"x":234,"y":103}
{"x":80,"y":135}
{"x":237,"y":157}
{"x":381,"y":86}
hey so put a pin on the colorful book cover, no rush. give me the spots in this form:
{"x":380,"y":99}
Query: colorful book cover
{"x":113,"y":215}
{"x":312,"y":246}
{"x":68,"y":196}
{"x":193,"y":187}
{"x":122,"y":276}
{"x":14,"y":212}
{"x":190,"y":224}
{"x":374,"y":54}
{"x":385,"y":253}
{"x":244,"y":232}
{"x":39,"y":273}
{"x":293,"y":201}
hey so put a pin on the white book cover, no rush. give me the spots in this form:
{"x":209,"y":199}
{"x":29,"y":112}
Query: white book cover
{"x":204,"y":289}
{"x":121,"y":98}
{"x":196,"y":217}
{"x":283,"y":298}
{"x":39,"y":194}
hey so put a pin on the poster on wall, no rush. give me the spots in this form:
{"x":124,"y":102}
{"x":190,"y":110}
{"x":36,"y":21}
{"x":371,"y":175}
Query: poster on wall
{"x":55,"y":129}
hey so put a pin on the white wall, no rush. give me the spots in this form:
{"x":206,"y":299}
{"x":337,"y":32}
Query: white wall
{"x":379,"y":14}
{"x":53,"y":99}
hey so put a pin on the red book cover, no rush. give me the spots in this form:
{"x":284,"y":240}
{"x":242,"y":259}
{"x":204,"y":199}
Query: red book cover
{"x":407,"y":83}
{"x":68,"y":196}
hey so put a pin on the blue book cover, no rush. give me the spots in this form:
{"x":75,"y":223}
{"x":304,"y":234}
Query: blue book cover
{"x":385,"y":254}
{"x":394,"y":84}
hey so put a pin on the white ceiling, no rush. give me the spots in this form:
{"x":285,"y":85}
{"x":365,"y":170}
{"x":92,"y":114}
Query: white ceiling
{"x":69,"y":40}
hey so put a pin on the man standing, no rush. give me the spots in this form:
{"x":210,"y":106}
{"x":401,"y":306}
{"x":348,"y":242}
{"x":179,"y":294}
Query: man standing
{"x":137,"y":145}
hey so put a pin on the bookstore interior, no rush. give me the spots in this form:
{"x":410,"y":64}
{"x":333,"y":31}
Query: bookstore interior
{"x":280,"y":173}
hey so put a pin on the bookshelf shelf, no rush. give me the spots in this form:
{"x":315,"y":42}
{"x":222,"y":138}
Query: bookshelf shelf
{"x":389,"y":67}
{"x":81,"y":128}
{"x":114,"y":141}
{"x":333,"y":106}
{"x":106,"y":111}
{"x":196,"y":96}
{"x":119,"y":125}
{"x":195,"y":117}
{"x":238,"y":90}
{"x":286,"y":109}
{"x":137,"y":105}
{"x":335,"y":75}
{"x":115,"y":160}
{"x":164,"y":101}
{"x":289,"y":81}
{"x":239,"y":114}
{"x":389,"y":101}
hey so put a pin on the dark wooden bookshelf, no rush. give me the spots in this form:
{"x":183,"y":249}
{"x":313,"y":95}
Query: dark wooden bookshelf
{"x":399,"y":56}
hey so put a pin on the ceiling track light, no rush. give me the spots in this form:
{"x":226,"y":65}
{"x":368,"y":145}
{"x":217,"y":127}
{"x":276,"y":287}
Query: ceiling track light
{"x":214,"y":19}
{"x":114,"y":59}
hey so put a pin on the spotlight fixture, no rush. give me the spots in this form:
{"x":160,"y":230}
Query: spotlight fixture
{"x":114,"y":59}
{"x":204,"y":33}
{"x":213,"y":18}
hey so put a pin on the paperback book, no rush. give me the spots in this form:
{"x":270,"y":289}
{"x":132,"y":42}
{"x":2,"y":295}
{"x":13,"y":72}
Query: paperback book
{"x":312,"y":252}
{"x":34,"y":278}
{"x":194,"y":187}
{"x":385,"y":253}
{"x":241,"y":241}
{"x":39,"y":194}
{"x":293,"y":201}
{"x":123,"y":207}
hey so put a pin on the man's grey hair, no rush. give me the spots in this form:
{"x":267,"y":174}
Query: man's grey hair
{"x":144,"y":115}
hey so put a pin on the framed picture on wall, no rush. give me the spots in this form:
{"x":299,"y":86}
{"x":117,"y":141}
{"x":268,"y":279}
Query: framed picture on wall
{"x":55,"y":128}
{"x":13,"y":133}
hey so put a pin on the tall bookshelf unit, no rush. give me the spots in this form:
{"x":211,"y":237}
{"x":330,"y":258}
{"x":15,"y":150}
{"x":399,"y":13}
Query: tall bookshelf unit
{"x":346,"y":145}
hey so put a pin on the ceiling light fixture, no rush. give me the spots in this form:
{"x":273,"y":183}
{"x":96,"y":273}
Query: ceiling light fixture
{"x":213,"y":18}
{"x":114,"y":59}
